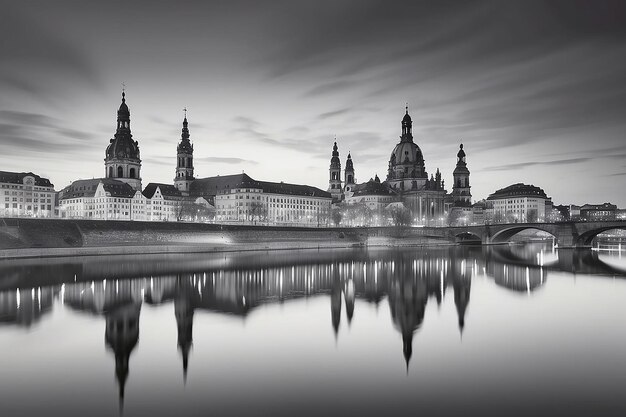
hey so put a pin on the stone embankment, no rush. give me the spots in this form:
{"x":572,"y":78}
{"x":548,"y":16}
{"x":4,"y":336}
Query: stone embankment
{"x":56,"y":237}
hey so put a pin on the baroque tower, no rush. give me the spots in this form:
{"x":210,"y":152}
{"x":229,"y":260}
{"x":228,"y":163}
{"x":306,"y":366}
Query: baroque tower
{"x":461,"y":188}
{"x":122,"y":161}
{"x":334,"y":183}
{"x":349,"y":179}
{"x":184,"y":164}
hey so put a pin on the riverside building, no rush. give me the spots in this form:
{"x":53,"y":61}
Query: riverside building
{"x":24,"y":194}
{"x":407,"y":181}
{"x":519,"y":203}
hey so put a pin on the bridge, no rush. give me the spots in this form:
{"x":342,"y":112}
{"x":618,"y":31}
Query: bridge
{"x":567,"y":234}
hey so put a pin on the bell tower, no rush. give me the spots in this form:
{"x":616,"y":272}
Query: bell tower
{"x":349,"y":179}
{"x":184,"y":160}
{"x":122,"y":161}
{"x":461,"y":188}
{"x":334,"y":183}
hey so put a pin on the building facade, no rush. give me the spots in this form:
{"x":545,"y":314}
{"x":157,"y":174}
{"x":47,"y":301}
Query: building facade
{"x":407,"y":181}
{"x":519,"y":203}
{"x":248,"y":201}
{"x":24,"y":194}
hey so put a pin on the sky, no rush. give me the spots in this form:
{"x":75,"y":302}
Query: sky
{"x":535,"y":90}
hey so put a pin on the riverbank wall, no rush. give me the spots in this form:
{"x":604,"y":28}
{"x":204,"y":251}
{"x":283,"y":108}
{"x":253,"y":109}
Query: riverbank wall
{"x":26,"y":237}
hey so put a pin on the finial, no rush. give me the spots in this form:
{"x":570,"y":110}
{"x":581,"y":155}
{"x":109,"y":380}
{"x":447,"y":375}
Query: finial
{"x":185,"y":110}
{"x":461,"y":146}
{"x":407,"y":108}
{"x":123,"y":91}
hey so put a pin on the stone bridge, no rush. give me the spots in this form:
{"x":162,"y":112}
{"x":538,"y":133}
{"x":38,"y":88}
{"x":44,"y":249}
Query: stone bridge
{"x":567,"y":234}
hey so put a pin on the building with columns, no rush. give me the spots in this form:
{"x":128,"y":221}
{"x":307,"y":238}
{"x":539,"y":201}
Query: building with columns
{"x":407,"y":181}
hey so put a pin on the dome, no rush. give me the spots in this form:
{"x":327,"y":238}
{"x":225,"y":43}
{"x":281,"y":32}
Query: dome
{"x":406,"y":153}
{"x":122,"y":148}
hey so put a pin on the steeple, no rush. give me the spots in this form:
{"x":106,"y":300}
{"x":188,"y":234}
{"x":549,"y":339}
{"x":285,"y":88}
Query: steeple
{"x":407,"y":126}
{"x":334,"y":182}
{"x":122,"y":160}
{"x":461,"y":188}
{"x":349,"y":176}
{"x":184,"y":161}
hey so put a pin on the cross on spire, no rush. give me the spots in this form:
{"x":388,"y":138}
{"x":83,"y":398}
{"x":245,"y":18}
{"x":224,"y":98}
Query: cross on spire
{"x":185,"y":110}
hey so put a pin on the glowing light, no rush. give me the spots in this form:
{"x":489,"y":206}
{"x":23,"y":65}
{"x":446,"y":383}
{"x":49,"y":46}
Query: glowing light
{"x":18,"y":297}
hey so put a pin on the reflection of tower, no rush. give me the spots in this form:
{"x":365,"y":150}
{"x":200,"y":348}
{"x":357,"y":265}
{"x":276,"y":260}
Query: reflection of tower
{"x":334,"y":183}
{"x":349,"y":296}
{"x":121,"y":335}
{"x":407,"y":301}
{"x":461,"y":283}
{"x":335,"y":299}
{"x":184,"y":321}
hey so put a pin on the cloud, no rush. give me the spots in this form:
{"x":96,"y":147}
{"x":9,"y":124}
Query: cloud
{"x":22,"y":133}
{"x":225,"y":160}
{"x":513,"y":167}
{"x":36,"y":61}
{"x":334,"y":113}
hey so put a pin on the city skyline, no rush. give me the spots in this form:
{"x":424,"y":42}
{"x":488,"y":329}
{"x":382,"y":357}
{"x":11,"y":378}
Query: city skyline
{"x":535,"y":90}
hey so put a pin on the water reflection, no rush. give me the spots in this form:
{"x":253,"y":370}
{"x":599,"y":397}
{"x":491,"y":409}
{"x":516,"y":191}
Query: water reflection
{"x":236,"y":284}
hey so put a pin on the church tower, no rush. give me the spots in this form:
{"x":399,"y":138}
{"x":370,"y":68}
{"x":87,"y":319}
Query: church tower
{"x":334,"y":183}
{"x":122,"y":161}
{"x":461,"y":188}
{"x":184,"y":164}
{"x":349,"y":180}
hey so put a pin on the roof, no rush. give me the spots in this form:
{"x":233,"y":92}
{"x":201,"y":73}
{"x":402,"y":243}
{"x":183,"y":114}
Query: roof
{"x":87,"y":188}
{"x":372,"y":188}
{"x":212,"y":186}
{"x":518,"y":190}
{"x":167,"y":190}
{"x":605,"y":206}
{"x":18,"y":178}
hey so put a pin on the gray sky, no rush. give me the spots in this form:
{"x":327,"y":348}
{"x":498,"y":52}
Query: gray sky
{"x":535,"y":90}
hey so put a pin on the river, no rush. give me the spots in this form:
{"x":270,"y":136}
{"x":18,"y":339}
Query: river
{"x":506,"y":330}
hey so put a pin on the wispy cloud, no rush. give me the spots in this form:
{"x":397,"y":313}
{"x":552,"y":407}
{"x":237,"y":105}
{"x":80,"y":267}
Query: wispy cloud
{"x":515,"y":167}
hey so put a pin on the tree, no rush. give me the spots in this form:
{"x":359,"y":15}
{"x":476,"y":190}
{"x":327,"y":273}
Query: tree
{"x":400,"y":216}
{"x":258,"y":212}
{"x":336,"y":214}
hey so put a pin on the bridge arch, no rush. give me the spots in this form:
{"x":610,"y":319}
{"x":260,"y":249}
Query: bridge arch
{"x":586,"y":238}
{"x":506,"y":233}
{"x":467,"y":237}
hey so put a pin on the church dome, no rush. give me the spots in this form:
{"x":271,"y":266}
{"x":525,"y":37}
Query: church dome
{"x":406,"y":153}
{"x":122,"y":146}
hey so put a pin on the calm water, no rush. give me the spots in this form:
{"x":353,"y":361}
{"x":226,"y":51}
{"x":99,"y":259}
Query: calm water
{"x":498,"y":331}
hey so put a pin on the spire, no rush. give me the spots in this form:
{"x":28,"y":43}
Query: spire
{"x":407,"y":125}
{"x":185,"y":131}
